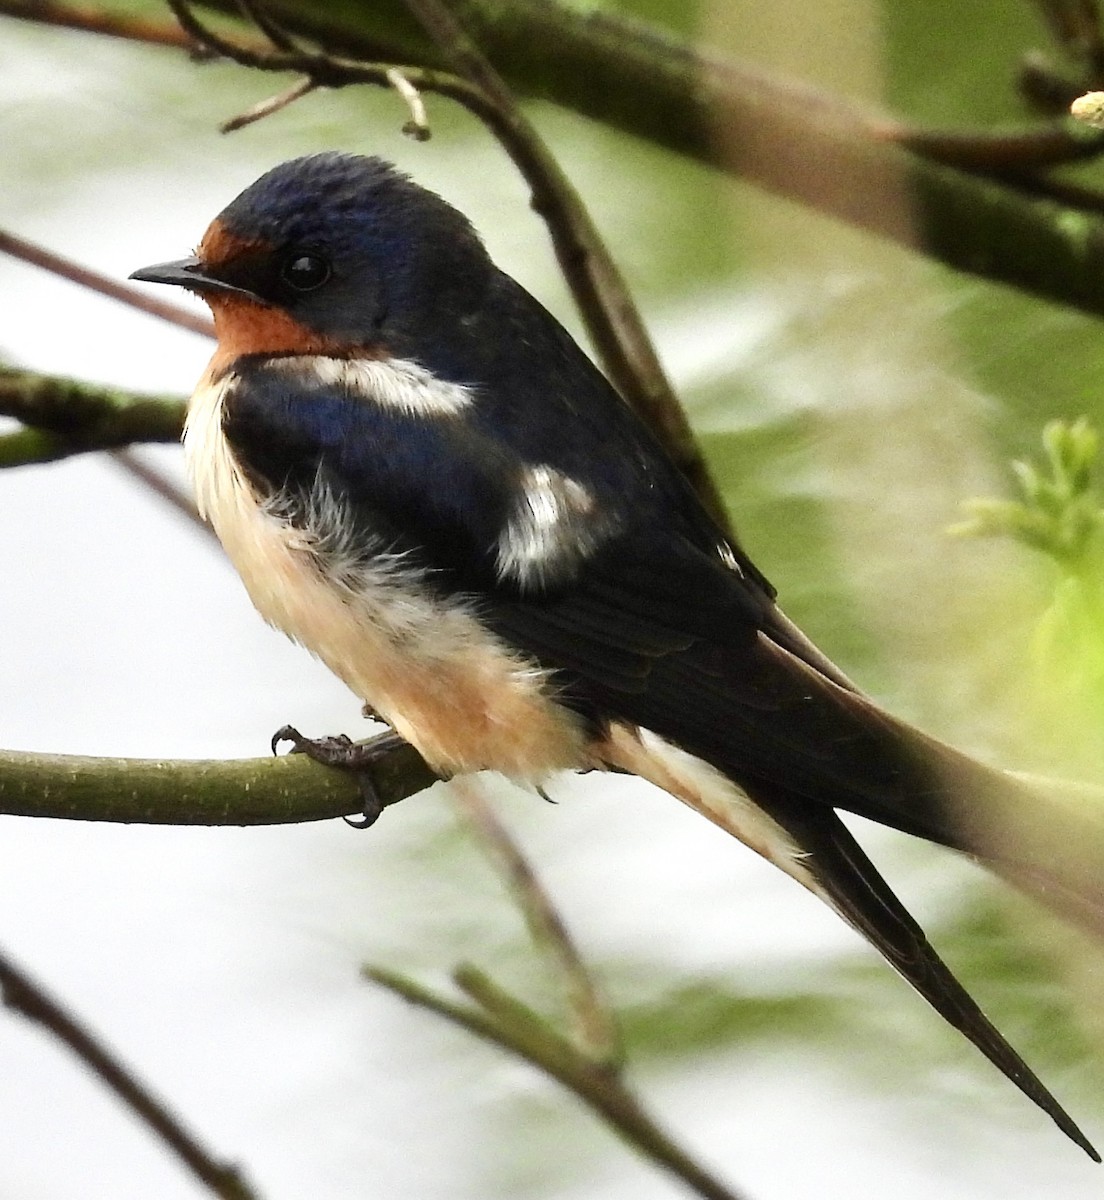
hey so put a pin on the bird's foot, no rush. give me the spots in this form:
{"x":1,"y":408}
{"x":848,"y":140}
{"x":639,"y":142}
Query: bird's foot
{"x":340,"y":751}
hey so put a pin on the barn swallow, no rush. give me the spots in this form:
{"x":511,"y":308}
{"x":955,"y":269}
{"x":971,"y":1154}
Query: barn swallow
{"x":423,"y":480}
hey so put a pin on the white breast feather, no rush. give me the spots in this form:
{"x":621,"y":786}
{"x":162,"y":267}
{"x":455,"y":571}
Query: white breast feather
{"x":391,"y":383}
{"x":429,"y":667}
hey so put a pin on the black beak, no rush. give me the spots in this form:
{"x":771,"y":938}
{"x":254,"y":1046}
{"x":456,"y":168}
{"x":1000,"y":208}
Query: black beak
{"x":190,"y":273}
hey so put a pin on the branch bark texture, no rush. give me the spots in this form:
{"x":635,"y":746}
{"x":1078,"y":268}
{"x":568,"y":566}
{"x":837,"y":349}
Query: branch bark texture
{"x":66,"y":416}
{"x":255,"y":791}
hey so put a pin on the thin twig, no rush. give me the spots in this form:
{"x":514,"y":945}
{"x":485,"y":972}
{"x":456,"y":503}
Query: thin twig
{"x":603,"y":298}
{"x":276,"y":34}
{"x":21,"y":994}
{"x":326,"y":70}
{"x":593,"y":1026}
{"x":160,"y":484}
{"x":506,"y":1022}
{"x":97,"y":20}
{"x":38,"y":256}
{"x":265,"y":108}
{"x":724,"y":85}
{"x":678,"y":96}
{"x":418,"y":125}
{"x":615,"y":327}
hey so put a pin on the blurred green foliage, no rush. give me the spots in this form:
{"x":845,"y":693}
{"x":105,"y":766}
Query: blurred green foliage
{"x":1060,"y":515}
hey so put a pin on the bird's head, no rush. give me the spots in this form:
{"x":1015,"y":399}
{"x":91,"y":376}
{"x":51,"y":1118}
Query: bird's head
{"x":333,"y":254}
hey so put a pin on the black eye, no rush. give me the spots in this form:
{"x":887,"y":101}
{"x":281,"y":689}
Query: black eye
{"x":305,"y":272}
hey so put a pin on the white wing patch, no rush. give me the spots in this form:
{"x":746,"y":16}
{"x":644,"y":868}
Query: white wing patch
{"x":396,"y":383}
{"x":726,"y":555}
{"x":554,"y":527}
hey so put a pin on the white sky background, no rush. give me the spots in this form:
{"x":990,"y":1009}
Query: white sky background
{"x":223,"y":964}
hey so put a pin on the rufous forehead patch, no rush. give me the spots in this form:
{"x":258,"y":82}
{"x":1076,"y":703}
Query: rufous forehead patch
{"x":220,"y":246}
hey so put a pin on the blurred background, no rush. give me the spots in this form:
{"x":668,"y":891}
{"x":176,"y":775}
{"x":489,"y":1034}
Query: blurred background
{"x":851,"y":398}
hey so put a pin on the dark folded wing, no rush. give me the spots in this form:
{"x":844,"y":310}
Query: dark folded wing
{"x":665,"y":637}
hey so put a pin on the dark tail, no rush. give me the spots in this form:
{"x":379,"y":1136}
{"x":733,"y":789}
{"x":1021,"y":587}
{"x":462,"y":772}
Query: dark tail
{"x":852,"y":884}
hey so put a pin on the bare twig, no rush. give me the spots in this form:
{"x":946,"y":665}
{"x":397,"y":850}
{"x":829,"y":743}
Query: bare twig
{"x":603,"y":298}
{"x":517,"y":1028}
{"x":590,"y":1061}
{"x":712,"y":89}
{"x":37,"y":256}
{"x":160,"y":485}
{"x":506,"y":1022}
{"x":265,"y":108}
{"x":21,"y":994}
{"x":418,"y":125}
{"x":676,"y":96}
{"x":97,"y":20}
{"x":256,"y":12}
{"x":593,"y":1027}
{"x":611,"y":318}
{"x":324,"y":69}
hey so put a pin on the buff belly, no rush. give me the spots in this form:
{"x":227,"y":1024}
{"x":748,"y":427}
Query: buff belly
{"x":445,"y":683}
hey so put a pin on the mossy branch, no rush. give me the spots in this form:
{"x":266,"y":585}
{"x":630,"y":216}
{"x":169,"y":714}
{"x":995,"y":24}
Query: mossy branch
{"x":975,"y":200}
{"x":68,"y":416}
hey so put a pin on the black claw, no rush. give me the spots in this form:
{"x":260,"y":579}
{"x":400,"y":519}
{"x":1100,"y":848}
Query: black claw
{"x":340,"y":751}
{"x":370,"y":804}
{"x":286,"y":733}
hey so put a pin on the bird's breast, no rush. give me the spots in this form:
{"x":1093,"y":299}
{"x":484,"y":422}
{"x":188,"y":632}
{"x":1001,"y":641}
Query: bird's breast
{"x":423,"y":661}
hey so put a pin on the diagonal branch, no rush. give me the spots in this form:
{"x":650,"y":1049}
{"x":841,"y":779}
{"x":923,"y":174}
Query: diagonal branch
{"x":653,"y":86}
{"x":161,"y":486}
{"x":594,"y":1030}
{"x":601,"y":294}
{"x":589,"y":1063}
{"x":615,"y":327}
{"x":22,"y":995}
{"x":98,"y":20}
{"x":124,"y":293}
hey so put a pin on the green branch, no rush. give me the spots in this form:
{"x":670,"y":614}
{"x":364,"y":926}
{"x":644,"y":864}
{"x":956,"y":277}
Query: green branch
{"x":66,"y":416}
{"x":253,"y":791}
{"x":1003,"y":222}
